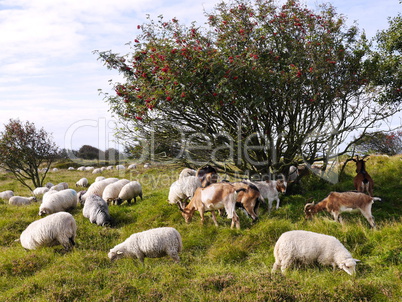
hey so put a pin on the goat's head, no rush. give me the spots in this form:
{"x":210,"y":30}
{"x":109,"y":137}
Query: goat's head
{"x":360,"y":164}
{"x":309,"y":210}
{"x":281,"y":185}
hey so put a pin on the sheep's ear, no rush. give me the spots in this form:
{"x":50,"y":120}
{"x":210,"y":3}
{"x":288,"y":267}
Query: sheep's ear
{"x":356,"y":260}
{"x":119,"y":252}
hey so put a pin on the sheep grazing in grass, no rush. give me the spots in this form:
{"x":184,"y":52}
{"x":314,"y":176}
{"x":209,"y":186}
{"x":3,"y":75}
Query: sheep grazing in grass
{"x":129,"y":191}
{"x":96,"y":210}
{"x":60,"y":186}
{"x":21,"y":201}
{"x":153,"y":243}
{"x":55,"y":229}
{"x":97,"y":188}
{"x":99,"y":178}
{"x":97,"y":171}
{"x":120,"y":167}
{"x":336,"y":203}
{"x":39,"y":191}
{"x":111,"y":192}
{"x":83,"y":182}
{"x":58,"y":201}
{"x":308,"y":247}
{"x":183,"y":189}
{"x":132,"y":167}
{"x":6,"y":195}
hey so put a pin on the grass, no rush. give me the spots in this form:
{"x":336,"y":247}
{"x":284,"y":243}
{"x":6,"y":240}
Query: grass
{"x":217,"y":264}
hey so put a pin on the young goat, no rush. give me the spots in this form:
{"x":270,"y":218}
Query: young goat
{"x":336,"y":203}
{"x":362,"y":181}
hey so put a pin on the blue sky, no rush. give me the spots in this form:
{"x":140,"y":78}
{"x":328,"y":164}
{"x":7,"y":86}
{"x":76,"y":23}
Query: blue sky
{"x":49,"y":75}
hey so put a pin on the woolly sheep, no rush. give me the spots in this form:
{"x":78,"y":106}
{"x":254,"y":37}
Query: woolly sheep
{"x":99,"y":178}
{"x":120,"y":167}
{"x":97,"y":171}
{"x":6,"y":195}
{"x":309,"y":247}
{"x":55,"y":229}
{"x":60,"y":186}
{"x":70,"y":168}
{"x":103,"y":169}
{"x":97,"y":188}
{"x":129,"y":191}
{"x":111,"y":192}
{"x":109,"y":168}
{"x":55,"y":169}
{"x":49,"y":185}
{"x":58,"y":201}
{"x":96,"y":210}
{"x":83,"y":182}
{"x":82,"y":168}
{"x":183,"y":189}
{"x":20,"y":201}
{"x":132,"y":166}
{"x":88,"y":168}
{"x":40,"y":191}
{"x":153,"y":243}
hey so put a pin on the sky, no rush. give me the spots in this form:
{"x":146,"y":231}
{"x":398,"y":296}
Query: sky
{"x":50,"y":76}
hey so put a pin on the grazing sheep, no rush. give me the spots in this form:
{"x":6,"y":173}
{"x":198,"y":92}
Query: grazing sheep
{"x":153,"y":243}
{"x":97,"y":188}
{"x":111,"y":192}
{"x":147,"y":165}
{"x":99,"y":178}
{"x":97,"y":171}
{"x":70,"y":169}
{"x":82,"y":168}
{"x":55,"y":169}
{"x":187,"y":172}
{"x":183,"y":189}
{"x":132,"y":166}
{"x":309,"y":247}
{"x":88,"y":168}
{"x":49,"y":185}
{"x":60,"y":186}
{"x":39,"y":191}
{"x":120,"y":167}
{"x":109,"y":168}
{"x":336,"y":203}
{"x":58,"y":201}
{"x":6,"y":195}
{"x":55,"y":229}
{"x":83,"y":182}
{"x":96,"y":210}
{"x":20,"y":201}
{"x":129,"y":191}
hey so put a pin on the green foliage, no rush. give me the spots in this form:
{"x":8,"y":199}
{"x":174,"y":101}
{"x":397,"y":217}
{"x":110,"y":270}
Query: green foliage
{"x":217,"y":263}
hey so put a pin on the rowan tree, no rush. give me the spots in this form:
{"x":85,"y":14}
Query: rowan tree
{"x":259,"y":87}
{"x":24,"y":149}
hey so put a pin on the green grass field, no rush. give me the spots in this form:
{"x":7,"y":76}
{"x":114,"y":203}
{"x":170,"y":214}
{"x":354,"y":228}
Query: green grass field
{"x":217,"y":264}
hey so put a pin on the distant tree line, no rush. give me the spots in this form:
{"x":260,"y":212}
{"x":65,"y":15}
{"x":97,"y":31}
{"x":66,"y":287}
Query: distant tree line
{"x":91,"y":153}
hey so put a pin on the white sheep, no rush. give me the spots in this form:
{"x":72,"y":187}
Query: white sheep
{"x":111,"y":192}
{"x":40,"y":191}
{"x":97,"y":188}
{"x":58,"y":201}
{"x":83,"y":182}
{"x":6,"y":195}
{"x":20,"y":201}
{"x":70,"y":169}
{"x":109,"y":168}
{"x":187,"y":172}
{"x":132,"y":166}
{"x":96,"y":210}
{"x":99,"y":178}
{"x":82,"y":168}
{"x":55,"y":229}
{"x":308,"y":247}
{"x":97,"y":171}
{"x":129,"y":191}
{"x":120,"y":167}
{"x":49,"y":185}
{"x":183,"y":189}
{"x":103,"y":169}
{"x":60,"y":186}
{"x":88,"y":168}
{"x":153,"y":243}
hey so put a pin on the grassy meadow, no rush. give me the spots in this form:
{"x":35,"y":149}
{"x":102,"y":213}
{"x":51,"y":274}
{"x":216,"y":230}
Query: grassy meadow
{"x":217,"y":264}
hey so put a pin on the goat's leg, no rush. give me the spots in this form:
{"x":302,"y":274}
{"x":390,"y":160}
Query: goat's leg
{"x":367,"y":214}
{"x":277,"y":202}
{"x":214,"y":218}
{"x":202,"y":215}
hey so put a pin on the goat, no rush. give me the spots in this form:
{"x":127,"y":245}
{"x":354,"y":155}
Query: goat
{"x":336,"y":203}
{"x":362,"y":181}
{"x":214,"y":197}
{"x":248,"y":197}
{"x":207,"y":175}
{"x":270,"y":190}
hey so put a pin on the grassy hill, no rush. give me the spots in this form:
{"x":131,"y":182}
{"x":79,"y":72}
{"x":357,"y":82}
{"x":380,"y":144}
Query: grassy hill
{"x":217,"y":264}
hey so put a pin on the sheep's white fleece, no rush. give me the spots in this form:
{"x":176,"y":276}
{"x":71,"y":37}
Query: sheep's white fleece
{"x":153,"y":243}
{"x":112,"y":190}
{"x":20,"y":201}
{"x":58,"y":228}
{"x":83,"y":182}
{"x":96,"y":210}
{"x":6,"y":195}
{"x":39,"y":191}
{"x":57,"y":201}
{"x":309,"y":247}
{"x":130,"y":191}
{"x":183,"y":189}
{"x":98,"y":187}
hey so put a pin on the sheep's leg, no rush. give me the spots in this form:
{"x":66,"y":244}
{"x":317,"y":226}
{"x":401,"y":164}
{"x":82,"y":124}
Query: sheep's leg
{"x":277,"y":265}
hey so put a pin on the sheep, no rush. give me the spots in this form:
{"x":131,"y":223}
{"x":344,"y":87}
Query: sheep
{"x":132,"y":166}
{"x":182,"y":190}
{"x":82,"y":168}
{"x":147,"y":166}
{"x":40,"y":191}
{"x":96,"y":210}
{"x":83,"y":182}
{"x":97,"y":188}
{"x":129,"y":191}
{"x":58,"y":201}
{"x":70,"y":169}
{"x":336,"y":203}
{"x":308,"y":247}
{"x":120,"y":167}
{"x":187,"y":172}
{"x":270,"y":190}
{"x":111,"y":192}
{"x":60,"y":186}
{"x":55,"y":229}
{"x":97,"y":171}
{"x":153,"y":243}
{"x":20,"y":201}
{"x":6,"y":195}
{"x":109,"y":168}
{"x":88,"y":169}
{"x":99,"y":178}
{"x":49,"y":185}
{"x":55,"y":170}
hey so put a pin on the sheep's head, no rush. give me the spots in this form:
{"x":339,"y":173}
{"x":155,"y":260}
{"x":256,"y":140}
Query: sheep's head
{"x":114,"y":255}
{"x":349,"y":265}
{"x":309,"y":210}
{"x":44,"y":211}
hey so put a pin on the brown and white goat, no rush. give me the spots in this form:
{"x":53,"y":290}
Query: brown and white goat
{"x":248,"y":197}
{"x":207,"y":175}
{"x":362,"y":181}
{"x":214,"y":197}
{"x":336,"y":203}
